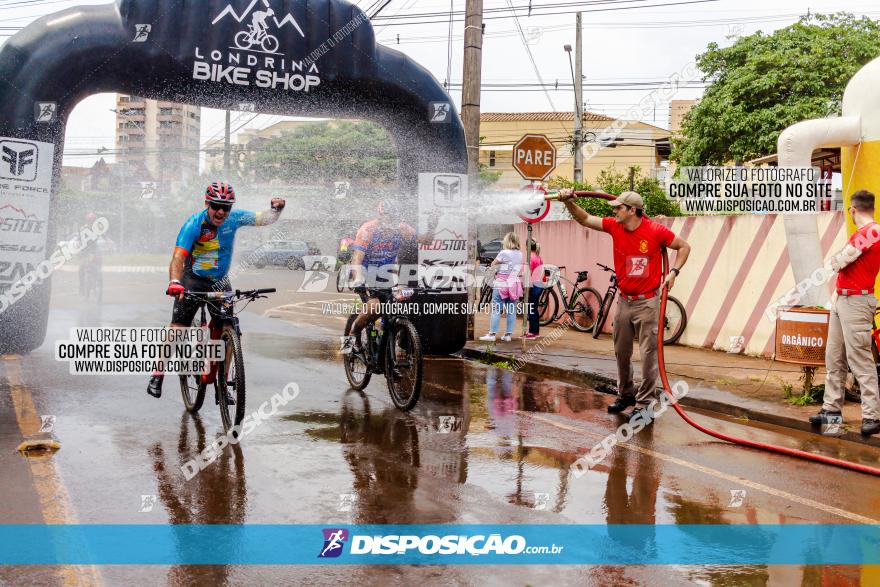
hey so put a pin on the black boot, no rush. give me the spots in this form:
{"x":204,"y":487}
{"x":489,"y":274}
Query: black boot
{"x":870,"y":427}
{"x":154,"y":387}
{"x":620,"y":404}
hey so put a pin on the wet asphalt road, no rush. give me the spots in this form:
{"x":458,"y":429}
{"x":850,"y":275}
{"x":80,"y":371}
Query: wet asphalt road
{"x":334,"y":456}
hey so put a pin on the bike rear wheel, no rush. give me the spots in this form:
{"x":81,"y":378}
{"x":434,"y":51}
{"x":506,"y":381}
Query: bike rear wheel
{"x":403,"y":364}
{"x":548,"y":307}
{"x":193,"y":391}
{"x":674,"y":322}
{"x":231,"y":380}
{"x":602,"y":316}
{"x":357,"y":368}
{"x":584,"y":309}
{"x":340,"y":280}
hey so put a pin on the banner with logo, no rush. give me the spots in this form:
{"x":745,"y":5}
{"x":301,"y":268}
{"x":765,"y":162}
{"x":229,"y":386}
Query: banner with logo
{"x":25,"y":191}
{"x":440,"y":544}
{"x":443,"y":262}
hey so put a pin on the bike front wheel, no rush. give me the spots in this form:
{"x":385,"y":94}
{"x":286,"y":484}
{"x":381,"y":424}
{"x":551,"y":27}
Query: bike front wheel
{"x":357,"y":368}
{"x":584,"y":309}
{"x":674,"y":322}
{"x":270,"y":44}
{"x":230,"y":380}
{"x":404,"y":364}
{"x":548,"y":307}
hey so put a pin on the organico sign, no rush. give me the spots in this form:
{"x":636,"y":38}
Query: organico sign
{"x":254,"y":56}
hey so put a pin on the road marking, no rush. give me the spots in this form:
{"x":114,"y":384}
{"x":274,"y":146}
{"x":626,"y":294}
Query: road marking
{"x":714,"y":473}
{"x":54,"y":498}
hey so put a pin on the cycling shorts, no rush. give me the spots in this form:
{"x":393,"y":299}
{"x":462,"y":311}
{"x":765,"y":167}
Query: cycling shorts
{"x":185,"y":310}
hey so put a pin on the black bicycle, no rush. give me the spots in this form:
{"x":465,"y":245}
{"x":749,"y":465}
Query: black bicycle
{"x":390,"y":345}
{"x":227,"y":376}
{"x":674,"y":322}
{"x":582,"y":307}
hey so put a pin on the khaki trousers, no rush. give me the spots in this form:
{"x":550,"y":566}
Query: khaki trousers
{"x":637,"y":319}
{"x":849,"y":343}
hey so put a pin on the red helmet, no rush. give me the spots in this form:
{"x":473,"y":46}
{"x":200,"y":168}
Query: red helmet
{"x":91,"y":217}
{"x":220,"y":192}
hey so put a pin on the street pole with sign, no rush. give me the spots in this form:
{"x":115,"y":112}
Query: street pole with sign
{"x":534,"y":158}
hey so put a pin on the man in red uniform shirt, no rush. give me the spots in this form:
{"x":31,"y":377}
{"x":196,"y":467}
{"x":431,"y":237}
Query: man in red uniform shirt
{"x":638,"y":263}
{"x":852,"y":318}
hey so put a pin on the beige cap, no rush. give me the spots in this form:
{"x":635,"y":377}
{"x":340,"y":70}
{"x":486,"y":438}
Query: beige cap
{"x":631,"y":199}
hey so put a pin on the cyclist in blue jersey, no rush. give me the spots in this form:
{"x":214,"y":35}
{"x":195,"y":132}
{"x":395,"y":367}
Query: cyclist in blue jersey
{"x":377,"y":245}
{"x":204,"y":252}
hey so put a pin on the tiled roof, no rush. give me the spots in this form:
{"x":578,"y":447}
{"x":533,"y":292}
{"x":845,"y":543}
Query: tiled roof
{"x":540,"y":116}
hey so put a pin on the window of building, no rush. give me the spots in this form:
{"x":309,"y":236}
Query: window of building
{"x":491,"y":158}
{"x":166,"y":111}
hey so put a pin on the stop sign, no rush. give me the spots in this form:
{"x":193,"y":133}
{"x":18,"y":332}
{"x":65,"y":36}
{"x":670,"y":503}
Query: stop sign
{"x":534,"y":157}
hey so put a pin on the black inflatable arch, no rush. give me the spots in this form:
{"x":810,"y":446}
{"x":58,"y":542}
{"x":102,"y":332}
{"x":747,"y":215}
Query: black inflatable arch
{"x":326,"y":63}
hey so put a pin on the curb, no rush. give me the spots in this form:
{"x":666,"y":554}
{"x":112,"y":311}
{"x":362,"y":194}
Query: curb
{"x":590,"y":379}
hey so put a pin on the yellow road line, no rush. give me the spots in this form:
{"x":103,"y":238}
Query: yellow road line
{"x":54,"y":498}
{"x":714,"y":473}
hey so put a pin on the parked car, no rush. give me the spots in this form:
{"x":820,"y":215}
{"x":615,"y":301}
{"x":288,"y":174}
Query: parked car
{"x":488,"y":251}
{"x":286,"y":253}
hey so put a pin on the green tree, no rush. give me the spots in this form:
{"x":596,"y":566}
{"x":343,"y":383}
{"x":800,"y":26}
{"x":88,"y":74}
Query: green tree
{"x":764,"y":83}
{"x":324,"y":152}
{"x":613,"y":181}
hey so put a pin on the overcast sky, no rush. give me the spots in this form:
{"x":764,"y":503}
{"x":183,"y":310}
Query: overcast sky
{"x":621,"y":46}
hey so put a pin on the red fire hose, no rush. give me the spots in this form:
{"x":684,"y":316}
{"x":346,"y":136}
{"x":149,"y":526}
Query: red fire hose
{"x":727,"y":438}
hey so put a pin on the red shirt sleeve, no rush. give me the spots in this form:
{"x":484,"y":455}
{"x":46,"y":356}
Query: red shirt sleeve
{"x":664,"y":235}
{"x":608,"y":225}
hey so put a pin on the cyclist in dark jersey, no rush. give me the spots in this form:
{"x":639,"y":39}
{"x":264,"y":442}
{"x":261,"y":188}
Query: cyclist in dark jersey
{"x":204,"y":252}
{"x":377,"y":244}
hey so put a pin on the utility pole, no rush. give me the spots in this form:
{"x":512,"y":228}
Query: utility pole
{"x":227,"y":146}
{"x":579,"y":103}
{"x":471,"y":86}
{"x":470,"y":116}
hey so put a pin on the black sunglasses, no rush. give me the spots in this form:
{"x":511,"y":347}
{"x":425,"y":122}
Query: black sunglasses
{"x":215,"y":206}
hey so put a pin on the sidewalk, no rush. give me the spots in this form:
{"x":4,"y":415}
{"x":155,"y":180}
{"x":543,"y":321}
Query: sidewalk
{"x":734,"y":385}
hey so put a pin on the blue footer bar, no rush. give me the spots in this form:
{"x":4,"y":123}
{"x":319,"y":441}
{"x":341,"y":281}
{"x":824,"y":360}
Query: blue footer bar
{"x":487,"y":544}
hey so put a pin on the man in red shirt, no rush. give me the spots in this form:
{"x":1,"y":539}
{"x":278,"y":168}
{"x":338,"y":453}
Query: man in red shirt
{"x":638,"y":263}
{"x":852,"y":318}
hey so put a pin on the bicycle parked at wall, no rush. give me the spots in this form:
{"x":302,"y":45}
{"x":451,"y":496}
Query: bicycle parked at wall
{"x":227,"y":376}
{"x":582,"y":307}
{"x":674,"y":322}
{"x":389,"y":346}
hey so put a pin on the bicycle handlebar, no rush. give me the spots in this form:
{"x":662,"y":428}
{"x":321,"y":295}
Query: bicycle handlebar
{"x":222,"y":295}
{"x":605,"y":268}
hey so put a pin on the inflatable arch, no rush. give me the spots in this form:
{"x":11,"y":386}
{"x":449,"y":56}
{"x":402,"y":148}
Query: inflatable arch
{"x":303,"y":57}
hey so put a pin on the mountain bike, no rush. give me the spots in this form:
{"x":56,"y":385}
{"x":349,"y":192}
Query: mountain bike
{"x":582,"y":307}
{"x":389,"y":346}
{"x":246,"y":39}
{"x":227,"y":376}
{"x":674,"y":322}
